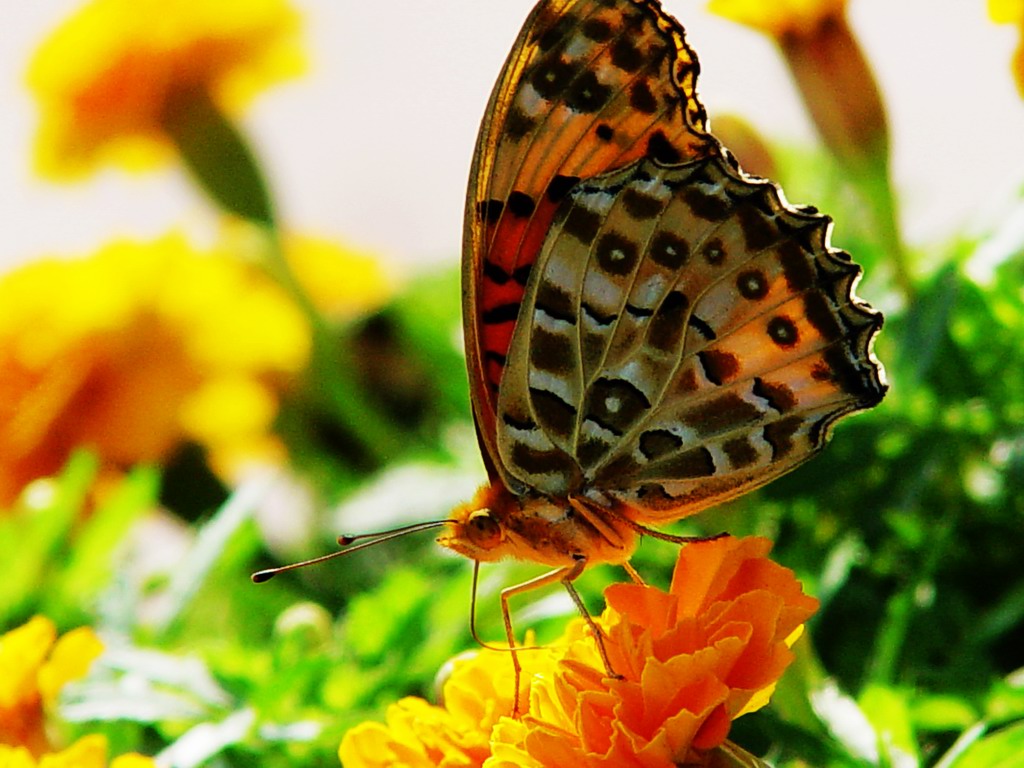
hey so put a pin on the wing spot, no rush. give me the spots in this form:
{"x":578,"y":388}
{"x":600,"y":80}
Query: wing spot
{"x":778,"y":396}
{"x":587,"y":94}
{"x":523,"y":424}
{"x":740,"y":451}
{"x":560,"y":187}
{"x":697,"y":462}
{"x":605,"y":132}
{"x":551,"y":352}
{"x":701,"y":326}
{"x":779,"y":435}
{"x":554,"y":413}
{"x":719,"y":367}
{"x":714,"y":252}
{"x":595,"y":314}
{"x":752,"y":284}
{"x":626,"y":56}
{"x":642,"y":99}
{"x":795,"y":266}
{"x":554,"y":34}
{"x":660,"y":148}
{"x":669,"y":250}
{"x":598,"y":30}
{"x":489,"y":210}
{"x":503,"y":313}
{"x":640,"y":206}
{"x":656,"y":443}
{"x":556,"y":302}
{"x":616,"y":255}
{"x":519,"y":124}
{"x":666,"y":329}
{"x":726,"y":413}
{"x":615,"y":404}
{"x":709,"y":207}
{"x":551,"y":76}
{"x":583,"y":224}
{"x":819,"y":314}
{"x":758,"y":229}
{"x":521,"y":204}
{"x":783,"y":332}
{"x":538,"y":462}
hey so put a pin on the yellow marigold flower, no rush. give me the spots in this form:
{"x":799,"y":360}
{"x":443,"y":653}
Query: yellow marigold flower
{"x":780,"y":18}
{"x":104,"y":78}
{"x":690,"y":661}
{"x":87,"y":752}
{"x":1011,"y":12}
{"x":342,"y":282}
{"x":33,"y":670}
{"x":135,"y":349}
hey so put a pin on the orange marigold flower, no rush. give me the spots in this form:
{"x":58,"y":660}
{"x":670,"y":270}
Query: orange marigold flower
{"x":33,"y":669}
{"x":105,"y":77}
{"x":690,"y":661}
{"x":136,"y":349}
{"x":87,"y":752}
{"x":1011,"y":12}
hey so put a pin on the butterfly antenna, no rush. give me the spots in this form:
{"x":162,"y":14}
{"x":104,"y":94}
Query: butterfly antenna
{"x":344,"y":541}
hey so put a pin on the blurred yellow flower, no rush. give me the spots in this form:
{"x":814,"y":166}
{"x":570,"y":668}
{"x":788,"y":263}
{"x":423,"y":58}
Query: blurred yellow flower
{"x":137,"y":348}
{"x":33,"y":669}
{"x":88,"y":752}
{"x":342,"y":282}
{"x":106,"y":77}
{"x":1011,"y":12}
{"x":780,"y":18}
{"x":689,"y":662}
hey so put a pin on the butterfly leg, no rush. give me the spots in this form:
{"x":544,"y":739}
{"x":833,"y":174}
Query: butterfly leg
{"x":567,"y":580}
{"x":632,"y":573}
{"x":559,"y":574}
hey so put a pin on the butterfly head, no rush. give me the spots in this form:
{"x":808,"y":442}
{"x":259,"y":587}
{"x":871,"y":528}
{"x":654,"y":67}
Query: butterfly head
{"x":476,"y":530}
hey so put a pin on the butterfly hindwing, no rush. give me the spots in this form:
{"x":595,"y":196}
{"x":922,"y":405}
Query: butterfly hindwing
{"x":590,"y":86}
{"x":685,"y":337}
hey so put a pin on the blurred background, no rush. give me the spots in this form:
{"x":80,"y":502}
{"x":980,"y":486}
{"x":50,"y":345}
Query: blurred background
{"x":394,"y":96}
{"x":222,"y":350}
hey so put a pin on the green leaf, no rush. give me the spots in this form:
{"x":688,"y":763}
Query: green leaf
{"x":943,"y":712}
{"x":211,"y":543}
{"x":888,"y":711}
{"x":90,"y":565}
{"x":31,"y":539}
{"x":218,"y":156}
{"x":1002,"y":749}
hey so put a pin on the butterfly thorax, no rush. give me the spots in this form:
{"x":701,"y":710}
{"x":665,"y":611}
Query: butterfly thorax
{"x":499,"y":524}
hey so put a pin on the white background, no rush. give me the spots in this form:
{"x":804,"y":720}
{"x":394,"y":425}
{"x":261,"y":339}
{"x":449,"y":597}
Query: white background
{"x":373,"y":146}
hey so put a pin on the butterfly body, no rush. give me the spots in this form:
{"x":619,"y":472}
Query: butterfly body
{"x":498,"y":524}
{"x":649,"y":330}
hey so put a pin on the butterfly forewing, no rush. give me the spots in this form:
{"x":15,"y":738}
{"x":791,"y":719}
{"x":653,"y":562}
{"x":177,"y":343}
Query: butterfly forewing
{"x":685,"y":337}
{"x":590,"y":86}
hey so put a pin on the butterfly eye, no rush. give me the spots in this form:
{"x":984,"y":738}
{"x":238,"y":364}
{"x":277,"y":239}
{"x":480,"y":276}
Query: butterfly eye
{"x":484,"y":531}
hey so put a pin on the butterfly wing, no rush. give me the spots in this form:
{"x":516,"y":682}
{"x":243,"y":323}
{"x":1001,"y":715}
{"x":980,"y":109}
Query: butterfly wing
{"x":590,"y":86}
{"x":686,"y":336}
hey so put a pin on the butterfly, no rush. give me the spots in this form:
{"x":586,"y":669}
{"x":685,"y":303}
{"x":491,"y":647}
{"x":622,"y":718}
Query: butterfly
{"x":649,"y":330}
